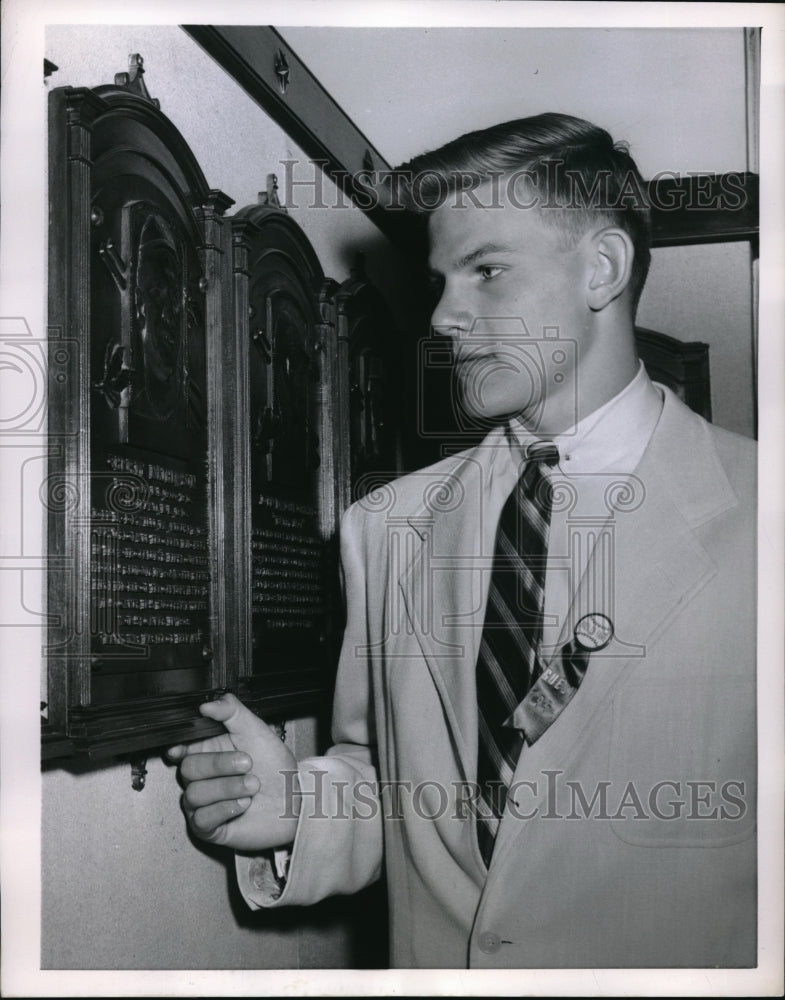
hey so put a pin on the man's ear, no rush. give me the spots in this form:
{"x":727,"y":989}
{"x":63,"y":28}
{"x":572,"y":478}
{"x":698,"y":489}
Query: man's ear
{"x":612,"y":254}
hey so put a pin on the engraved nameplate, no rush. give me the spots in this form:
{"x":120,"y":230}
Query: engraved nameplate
{"x":287,"y":568}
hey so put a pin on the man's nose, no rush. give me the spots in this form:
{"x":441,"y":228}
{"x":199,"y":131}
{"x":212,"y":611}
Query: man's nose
{"x":450,"y":317}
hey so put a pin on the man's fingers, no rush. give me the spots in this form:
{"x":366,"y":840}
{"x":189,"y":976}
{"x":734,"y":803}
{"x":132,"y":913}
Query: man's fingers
{"x":219,"y":787}
{"x":239,"y":721}
{"x":197,"y":766}
{"x":204,"y":793}
{"x":175,"y":754}
{"x":209,"y":822}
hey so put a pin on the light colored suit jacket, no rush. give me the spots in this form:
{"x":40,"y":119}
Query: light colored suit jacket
{"x":629,"y":835}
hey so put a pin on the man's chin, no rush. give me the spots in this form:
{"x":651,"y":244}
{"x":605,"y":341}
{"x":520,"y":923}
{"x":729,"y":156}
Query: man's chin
{"x":490,"y":401}
{"x":491,"y":413}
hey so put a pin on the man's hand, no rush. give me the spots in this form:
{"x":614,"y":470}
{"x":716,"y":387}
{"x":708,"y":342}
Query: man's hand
{"x":235,"y":791}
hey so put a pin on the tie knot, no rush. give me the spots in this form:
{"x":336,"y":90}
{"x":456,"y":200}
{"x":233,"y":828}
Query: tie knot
{"x":542,"y":452}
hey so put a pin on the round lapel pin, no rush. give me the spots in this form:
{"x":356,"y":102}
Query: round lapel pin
{"x":593,"y":632}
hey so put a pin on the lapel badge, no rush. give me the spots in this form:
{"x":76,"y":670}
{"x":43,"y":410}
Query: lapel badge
{"x":593,"y":632}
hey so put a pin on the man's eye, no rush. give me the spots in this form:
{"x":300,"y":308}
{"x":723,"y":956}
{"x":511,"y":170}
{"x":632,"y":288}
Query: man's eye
{"x":489,"y":271}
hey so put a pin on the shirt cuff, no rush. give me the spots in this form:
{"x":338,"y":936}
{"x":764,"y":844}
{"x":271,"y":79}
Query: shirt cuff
{"x":262,"y":877}
{"x":281,"y":858}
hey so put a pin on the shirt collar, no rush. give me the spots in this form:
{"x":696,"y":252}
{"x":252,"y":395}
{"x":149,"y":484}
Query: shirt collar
{"x":613,"y":437}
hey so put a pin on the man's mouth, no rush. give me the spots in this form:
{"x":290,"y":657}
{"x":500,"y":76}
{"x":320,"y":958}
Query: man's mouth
{"x":465,"y":357}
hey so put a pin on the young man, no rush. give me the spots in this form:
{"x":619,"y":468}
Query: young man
{"x":544,"y":716}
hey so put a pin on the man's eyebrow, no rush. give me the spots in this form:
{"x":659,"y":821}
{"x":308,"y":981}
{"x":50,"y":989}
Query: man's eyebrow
{"x":473,"y":255}
{"x":481,"y":251}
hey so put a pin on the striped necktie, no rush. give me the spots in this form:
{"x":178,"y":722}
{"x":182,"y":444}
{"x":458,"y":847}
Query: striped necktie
{"x":507,"y":664}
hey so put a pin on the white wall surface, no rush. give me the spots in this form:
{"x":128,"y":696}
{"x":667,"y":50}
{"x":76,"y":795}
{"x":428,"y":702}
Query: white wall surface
{"x":676,"y":95}
{"x":705,"y":293}
{"x":124,"y":887}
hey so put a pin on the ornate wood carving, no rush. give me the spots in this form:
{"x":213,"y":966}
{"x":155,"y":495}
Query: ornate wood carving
{"x":195,"y":481}
{"x":368,"y":347}
{"x":286,"y":505}
{"x":136,"y":474}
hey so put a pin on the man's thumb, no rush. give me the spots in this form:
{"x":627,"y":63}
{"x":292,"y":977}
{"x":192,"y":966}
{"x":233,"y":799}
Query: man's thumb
{"x":239,"y":720}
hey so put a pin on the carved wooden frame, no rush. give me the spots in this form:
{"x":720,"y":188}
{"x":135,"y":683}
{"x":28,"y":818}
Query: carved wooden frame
{"x":86,"y":127}
{"x":261,"y":233}
{"x":91,"y":133}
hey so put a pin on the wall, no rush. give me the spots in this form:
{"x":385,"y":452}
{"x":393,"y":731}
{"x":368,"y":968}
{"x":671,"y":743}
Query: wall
{"x":123,"y":886}
{"x":705,"y":293}
{"x":676,"y":95}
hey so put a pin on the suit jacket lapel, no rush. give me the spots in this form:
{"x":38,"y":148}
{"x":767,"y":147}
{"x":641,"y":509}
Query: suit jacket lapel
{"x":650,"y":561}
{"x":444,"y":586}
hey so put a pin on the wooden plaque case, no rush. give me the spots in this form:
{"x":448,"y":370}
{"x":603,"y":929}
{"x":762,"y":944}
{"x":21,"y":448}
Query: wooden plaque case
{"x":199,"y":414}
